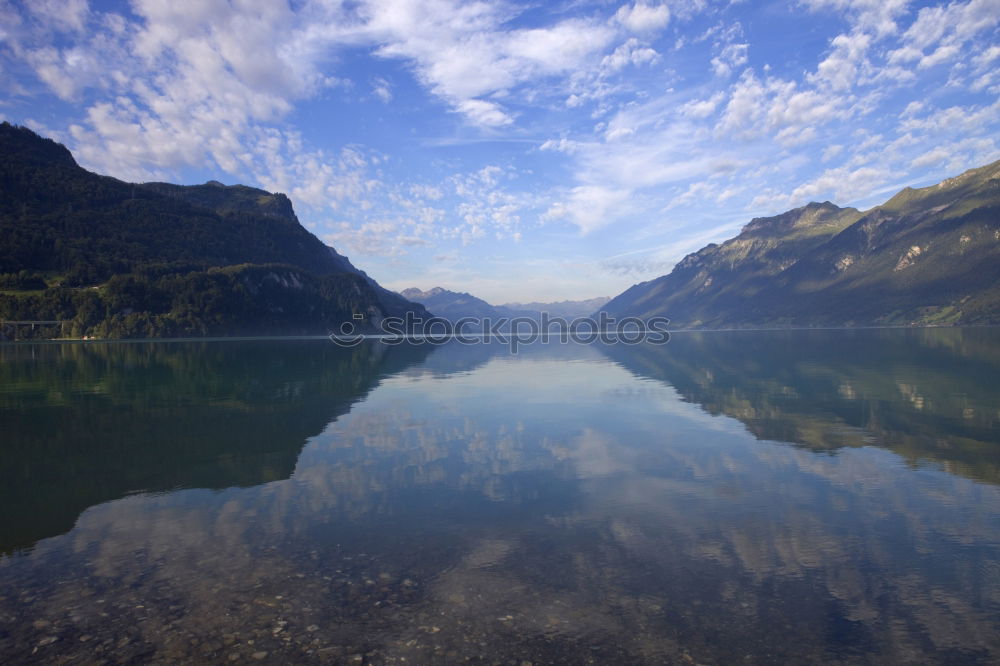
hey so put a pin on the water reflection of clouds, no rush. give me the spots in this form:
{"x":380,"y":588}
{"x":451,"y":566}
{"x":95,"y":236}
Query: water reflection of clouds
{"x":613,"y":514}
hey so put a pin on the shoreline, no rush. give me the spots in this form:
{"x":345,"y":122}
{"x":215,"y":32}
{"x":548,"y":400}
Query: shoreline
{"x":378,"y":336}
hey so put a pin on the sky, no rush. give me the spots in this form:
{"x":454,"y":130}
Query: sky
{"x":519,"y":151}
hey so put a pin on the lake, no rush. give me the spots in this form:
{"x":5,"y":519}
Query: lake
{"x":729,"y":497}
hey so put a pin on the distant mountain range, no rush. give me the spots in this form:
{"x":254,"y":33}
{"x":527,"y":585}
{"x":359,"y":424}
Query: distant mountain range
{"x":565,"y":309}
{"x":163,"y":259}
{"x":926,"y":256}
{"x":450,"y":305}
{"x":453,"y":305}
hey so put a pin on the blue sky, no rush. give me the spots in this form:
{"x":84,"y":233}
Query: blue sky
{"x":518,"y":151}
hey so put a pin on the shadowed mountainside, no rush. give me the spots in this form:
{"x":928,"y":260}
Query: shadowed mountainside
{"x":926,"y":256}
{"x":117,"y":259}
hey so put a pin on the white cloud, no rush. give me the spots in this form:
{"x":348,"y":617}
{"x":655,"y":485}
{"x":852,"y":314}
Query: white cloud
{"x":933,"y":156}
{"x":904,"y":55}
{"x":841,"y":184}
{"x":969,"y":120}
{"x":832,"y":151}
{"x":62,"y":15}
{"x":314,"y":178}
{"x":468,"y":207}
{"x":192,"y":82}
{"x":483,"y":113}
{"x":940,"y":55}
{"x":650,"y":149}
{"x":373,"y":238}
{"x":632,"y":52}
{"x":562,"y":145}
{"x":874,"y":16}
{"x":846,"y":62}
{"x":426,"y":192}
{"x":987,"y":57}
{"x":618,"y":133}
{"x":643,"y":17}
{"x":748,"y":101}
{"x":462,"y":53}
{"x":590,"y":207}
{"x":703,"y":108}
{"x":954,"y":23}
{"x":695,"y":192}
{"x":807,"y":107}
{"x":382,"y":90}
{"x":796,"y":136}
{"x":184,"y":85}
{"x":943,"y":33}
{"x":757,"y":108}
{"x":959,"y":155}
{"x":731,"y":57}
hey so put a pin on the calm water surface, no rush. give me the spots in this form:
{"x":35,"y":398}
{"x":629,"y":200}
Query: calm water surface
{"x":744,"y":497}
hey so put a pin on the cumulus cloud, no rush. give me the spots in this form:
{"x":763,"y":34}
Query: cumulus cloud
{"x":463,"y":54}
{"x":632,"y":52}
{"x":483,"y":113}
{"x":872,"y":16}
{"x":731,"y":57}
{"x":847,"y":61}
{"x":966,"y":119}
{"x":642,"y":17}
{"x":189,"y":82}
{"x":843,"y":184}
{"x":747,"y":105}
{"x":704,"y":107}
{"x":181,"y":86}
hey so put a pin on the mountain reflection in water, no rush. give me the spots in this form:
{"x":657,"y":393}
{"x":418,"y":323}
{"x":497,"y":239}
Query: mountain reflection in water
{"x":760,"y":497}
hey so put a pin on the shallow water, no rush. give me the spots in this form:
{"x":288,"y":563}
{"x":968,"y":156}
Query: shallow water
{"x":744,"y":497}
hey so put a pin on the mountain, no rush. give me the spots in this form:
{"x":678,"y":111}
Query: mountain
{"x":165,"y":259}
{"x":453,"y":305}
{"x":565,"y":309}
{"x":927,"y":256}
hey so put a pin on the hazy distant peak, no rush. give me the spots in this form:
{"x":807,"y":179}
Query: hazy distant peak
{"x":580,"y":308}
{"x":414,"y":292}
